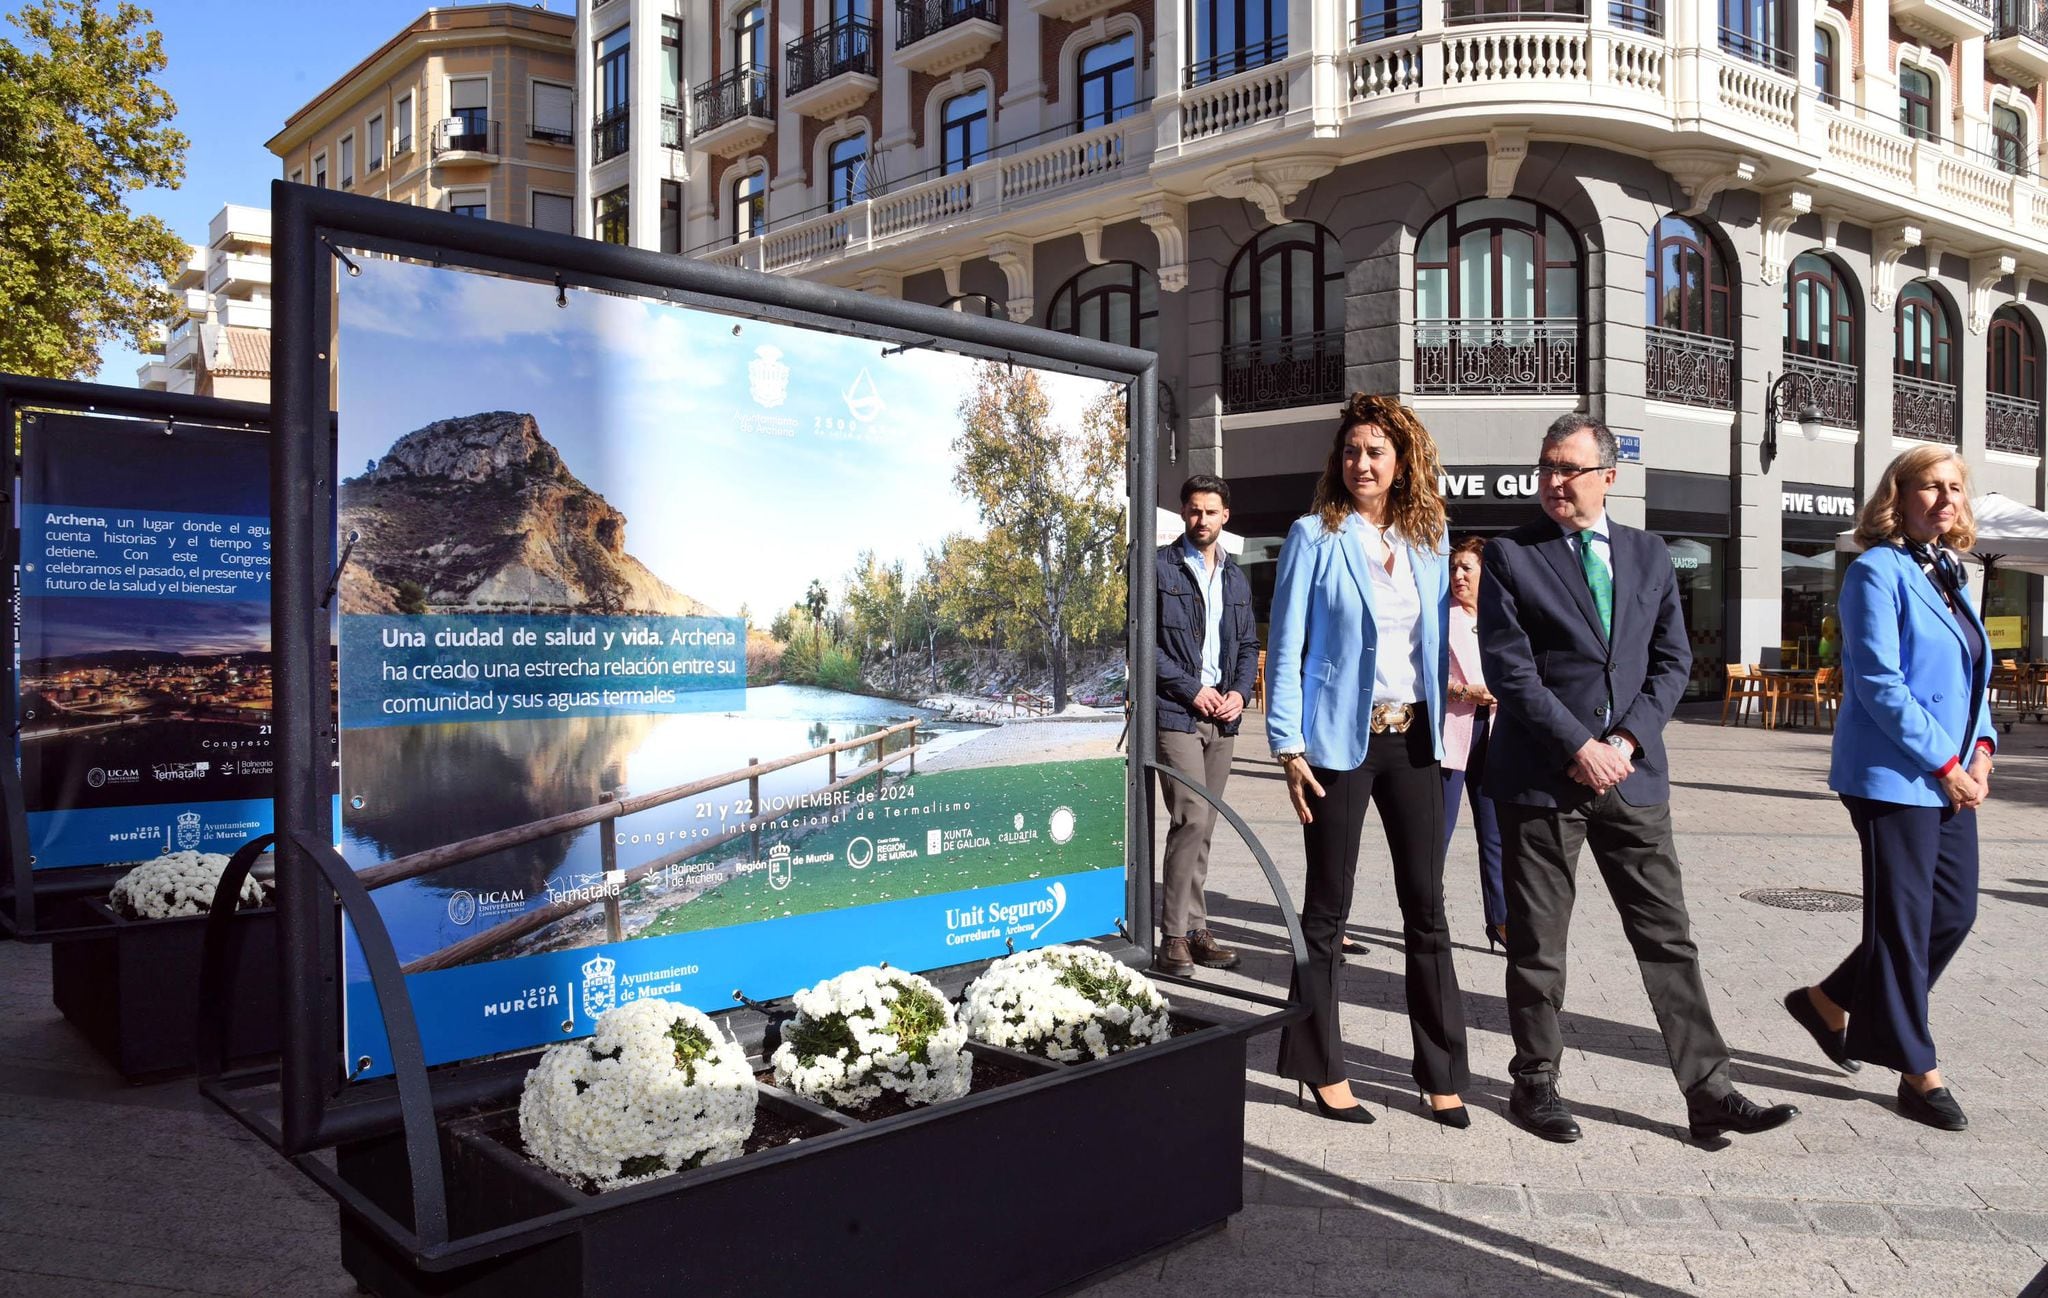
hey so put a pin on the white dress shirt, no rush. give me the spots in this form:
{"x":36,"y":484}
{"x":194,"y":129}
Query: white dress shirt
{"x":1396,"y":613}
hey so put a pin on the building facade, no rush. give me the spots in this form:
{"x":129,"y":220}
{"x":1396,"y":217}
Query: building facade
{"x":219,"y":346}
{"x":1501,"y":210}
{"x":468,"y":110}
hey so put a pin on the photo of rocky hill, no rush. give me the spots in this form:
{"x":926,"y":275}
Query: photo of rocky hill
{"x":479,"y":514}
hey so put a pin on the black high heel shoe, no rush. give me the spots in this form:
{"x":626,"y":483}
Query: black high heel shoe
{"x":1356,"y":1113}
{"x":1496,"y":936}
{"x":1459,"y":1118}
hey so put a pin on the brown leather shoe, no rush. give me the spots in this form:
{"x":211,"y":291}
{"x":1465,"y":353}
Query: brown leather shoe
{"x":1173,"y":957}
{"x":1208,"y":952}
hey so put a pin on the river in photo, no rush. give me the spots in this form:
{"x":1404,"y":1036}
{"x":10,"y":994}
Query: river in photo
{"x":423,"y":786}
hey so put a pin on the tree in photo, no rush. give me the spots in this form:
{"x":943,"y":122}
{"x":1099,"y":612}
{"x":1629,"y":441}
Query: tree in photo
{"x":82,"y":126}
{"x":1056,"y":494}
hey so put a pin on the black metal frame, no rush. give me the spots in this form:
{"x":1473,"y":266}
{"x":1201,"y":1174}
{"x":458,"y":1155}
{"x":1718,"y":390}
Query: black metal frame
{"x":304,"y":1106}
{"x":23,"y":892}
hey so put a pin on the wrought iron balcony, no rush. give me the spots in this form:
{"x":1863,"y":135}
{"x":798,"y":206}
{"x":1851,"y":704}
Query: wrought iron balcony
{"x":1381,"y":19}
{"x":742,"y":92}
{"x":465,"y":133}
{"x":1755,"y":49}
{"x":917,"y":19}
{"x":1924,"y":408}
{"x":612,"y":134}
{"x":1302,"y":370}
{"x":1497,"y":357}
{"x":2022,"y":18}
{"x":1836,"y":387}
{"x":1231,"y":62}
{"x":847,"y":45}
{"x":672,"y":132}
{"x":1463,"y":12}
{"x":1688,"y":368}
{"x":2018,"y":47}
{"x":2012,"y":424}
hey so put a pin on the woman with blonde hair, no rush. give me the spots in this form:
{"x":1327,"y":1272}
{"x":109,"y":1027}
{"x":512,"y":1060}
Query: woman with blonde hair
{"x":1912,"y":762}
{"x":1355,"y":684}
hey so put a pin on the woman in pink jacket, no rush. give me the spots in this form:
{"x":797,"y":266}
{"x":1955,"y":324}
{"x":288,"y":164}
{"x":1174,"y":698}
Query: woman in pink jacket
{"x":1468,"y":715}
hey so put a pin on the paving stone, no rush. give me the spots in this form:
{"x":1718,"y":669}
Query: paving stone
{"x":1849,"y":1218}
{"x":2020,"y":1227}
{"x":1920,"y":1222}
{"x":1758,"y":1214}
{"x":1574,"y":1204}
{"x":1665,"y":1211}
{"x":1484,"y":1201}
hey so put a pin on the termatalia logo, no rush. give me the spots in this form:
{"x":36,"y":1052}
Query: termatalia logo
{"x":181,"y":770}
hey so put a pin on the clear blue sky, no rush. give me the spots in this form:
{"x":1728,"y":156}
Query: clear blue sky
{"x":236,"y":69}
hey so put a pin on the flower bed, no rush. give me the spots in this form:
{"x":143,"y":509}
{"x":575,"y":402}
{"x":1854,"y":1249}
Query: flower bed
{"x":1065,"y":1003}
{"x":872,"y":1030}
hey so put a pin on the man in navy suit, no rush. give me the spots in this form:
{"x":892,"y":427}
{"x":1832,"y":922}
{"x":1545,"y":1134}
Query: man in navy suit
{"x":1582,"y":641}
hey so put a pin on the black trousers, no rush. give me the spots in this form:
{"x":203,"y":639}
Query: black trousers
{"x":1632,"y":847}
{"x":1401,"y":778}
{"x":1919,"y":901}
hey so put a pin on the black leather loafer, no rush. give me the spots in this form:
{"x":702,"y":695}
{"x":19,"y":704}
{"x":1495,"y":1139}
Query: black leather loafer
{"x":1936,"y":1108}
{"x":1735,"y":1112}
{"x":1539,"y":1108}
{"x":1833,"y":1044}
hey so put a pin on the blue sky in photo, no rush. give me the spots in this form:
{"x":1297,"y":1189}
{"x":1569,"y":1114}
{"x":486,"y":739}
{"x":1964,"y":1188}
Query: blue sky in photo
{"x":236,"y":69}
{"x":727,"y":497}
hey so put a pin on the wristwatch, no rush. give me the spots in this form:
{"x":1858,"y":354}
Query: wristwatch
{"x":1620,"y":744}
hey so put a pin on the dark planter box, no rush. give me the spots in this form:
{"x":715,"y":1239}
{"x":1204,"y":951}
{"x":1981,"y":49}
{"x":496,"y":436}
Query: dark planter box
{"x":132,"y":987}
{"x":1031,"y":1188}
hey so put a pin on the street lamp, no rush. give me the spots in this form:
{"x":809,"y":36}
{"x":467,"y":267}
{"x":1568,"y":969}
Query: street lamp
{"x":1787,"y":388}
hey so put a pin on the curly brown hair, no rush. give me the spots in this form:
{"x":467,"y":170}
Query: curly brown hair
{"x":1415,"y":508}
{"x":1878,"y":522}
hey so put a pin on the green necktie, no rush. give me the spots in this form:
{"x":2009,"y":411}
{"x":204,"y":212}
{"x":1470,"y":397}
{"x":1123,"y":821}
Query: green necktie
{"x":1599,"y":579}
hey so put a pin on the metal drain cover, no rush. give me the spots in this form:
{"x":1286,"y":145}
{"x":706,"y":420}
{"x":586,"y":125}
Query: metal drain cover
{"x":1814,"y":899}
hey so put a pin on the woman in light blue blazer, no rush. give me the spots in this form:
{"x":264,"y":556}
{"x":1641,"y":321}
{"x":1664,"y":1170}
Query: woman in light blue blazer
{"x":1912,"y":763}
{"x":1356,"y":670}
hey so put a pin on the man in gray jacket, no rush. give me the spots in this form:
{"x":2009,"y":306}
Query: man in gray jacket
{"x":1208,"y":659}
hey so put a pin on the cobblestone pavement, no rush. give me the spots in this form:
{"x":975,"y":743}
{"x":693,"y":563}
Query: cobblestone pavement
{"x":111,"y":1190}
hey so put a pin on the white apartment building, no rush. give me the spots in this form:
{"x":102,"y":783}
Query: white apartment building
{"x":220,"y":344}
{"x":1500,"y":210}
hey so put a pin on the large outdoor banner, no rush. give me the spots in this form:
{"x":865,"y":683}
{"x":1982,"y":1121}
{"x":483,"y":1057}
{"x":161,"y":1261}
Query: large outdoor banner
{"x":145,"y":639}
{"x":863,"y":607}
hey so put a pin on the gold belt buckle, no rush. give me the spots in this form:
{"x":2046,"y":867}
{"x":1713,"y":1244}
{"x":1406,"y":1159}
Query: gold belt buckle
{"x":1392,"y":716}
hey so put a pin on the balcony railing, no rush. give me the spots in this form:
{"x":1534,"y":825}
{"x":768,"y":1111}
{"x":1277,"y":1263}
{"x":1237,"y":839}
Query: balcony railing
{"x":1305,"y":369}
{"x":1377,"y":22}
{"x":1690,"y":369}
{"x":1924,"y":408}
{"x":742,"y":92}
{"x":551,"y":134}
{"x":672,"y":132}
{"x":848,"y":45}
{"x":611,"y":134}
{"x":1243,"y":59}
{"x":1643,"y":17}
{"x":1835,"y":386}
{"x":1497,"y":357}
{"x":1751,"y":48}
{"x":1464,"y":13}
{"x":2012,"y":424}
{"x":465,"y":135}
{"x":2026,"y":19}
{"x":917,"y":19}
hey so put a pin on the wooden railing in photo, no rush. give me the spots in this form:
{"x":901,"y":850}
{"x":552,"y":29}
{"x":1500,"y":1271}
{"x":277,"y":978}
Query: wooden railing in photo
{"x":606,"y":813}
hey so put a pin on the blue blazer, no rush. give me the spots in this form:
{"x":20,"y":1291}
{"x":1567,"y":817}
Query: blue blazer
{"x":1322,"y":644}
{"x":1906,"y":683}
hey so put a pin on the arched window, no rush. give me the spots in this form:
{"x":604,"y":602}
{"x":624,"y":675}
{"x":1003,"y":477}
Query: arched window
{"x":1923,"y":367}
{"x":1497,"y":300}
{"x":1690,"y":354}
{"x":2012,"y":400}
{"x":1113,"y":303}
{"x":2009,"y":139}
{"x":963,"y":131}
{"x":1283,"y":320}
{"x":846,"y":172}
{"x":1107,"y":87}
{"x":1916,"y":103}
{"x":750,"y":206}
{"x":750,"y":37}
{"x":1820,"y":337}
{"x":1825,"y":61}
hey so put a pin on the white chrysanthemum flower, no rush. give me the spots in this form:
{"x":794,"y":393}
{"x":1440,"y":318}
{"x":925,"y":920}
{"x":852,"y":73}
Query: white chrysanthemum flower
{"x":176,"y":884}
{"x":1067,"y":1003}
{"x":657,"y":1089}
{"x":871,"y":1030}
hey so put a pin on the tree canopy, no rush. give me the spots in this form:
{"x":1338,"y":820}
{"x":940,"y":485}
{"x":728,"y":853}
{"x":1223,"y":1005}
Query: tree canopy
{"x":82,"y":127}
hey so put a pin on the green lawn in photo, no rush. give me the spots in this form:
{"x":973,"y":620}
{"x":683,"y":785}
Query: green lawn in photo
{"x":997,"y":796}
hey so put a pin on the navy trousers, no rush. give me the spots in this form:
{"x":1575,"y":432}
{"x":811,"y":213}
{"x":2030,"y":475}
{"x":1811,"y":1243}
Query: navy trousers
{"x":1919,"y":901}
{"x":1485,"y":822}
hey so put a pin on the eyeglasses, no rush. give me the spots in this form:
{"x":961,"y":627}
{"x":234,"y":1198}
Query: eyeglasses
{"x":1566,"y":472}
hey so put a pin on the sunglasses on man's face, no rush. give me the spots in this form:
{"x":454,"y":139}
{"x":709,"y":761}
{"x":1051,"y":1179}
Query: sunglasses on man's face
{"x":1565,"y":472}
